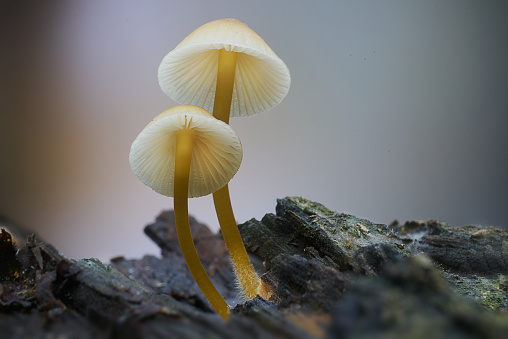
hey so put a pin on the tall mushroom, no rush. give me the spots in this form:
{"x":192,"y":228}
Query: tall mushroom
{"x":185,"y":152}
{"x":226,"y":68}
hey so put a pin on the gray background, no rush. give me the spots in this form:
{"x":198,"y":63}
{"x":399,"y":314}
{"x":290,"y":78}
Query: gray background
{"x":397,"y":110}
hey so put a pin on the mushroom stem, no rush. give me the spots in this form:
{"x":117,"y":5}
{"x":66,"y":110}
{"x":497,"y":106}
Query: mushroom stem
{"x":245,"y":272}
{"x":225,"y":83}
{"x":183,"y":156}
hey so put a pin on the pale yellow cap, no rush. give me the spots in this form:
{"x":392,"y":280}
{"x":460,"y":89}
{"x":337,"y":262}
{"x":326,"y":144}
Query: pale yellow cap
{"x":188,"y":74}
{"x":216,"y":155}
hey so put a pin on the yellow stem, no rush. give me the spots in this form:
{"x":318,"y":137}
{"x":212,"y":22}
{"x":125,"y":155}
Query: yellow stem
{"x":183,"y":156}
{"x":245,"y":273}
{"x":244,"y":270}
{"x":225,"y":82}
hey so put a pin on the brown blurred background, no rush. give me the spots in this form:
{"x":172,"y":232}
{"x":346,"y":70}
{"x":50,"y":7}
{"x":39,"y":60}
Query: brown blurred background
{"x":396,"y":111}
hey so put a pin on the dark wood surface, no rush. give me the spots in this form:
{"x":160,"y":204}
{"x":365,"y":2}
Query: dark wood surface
{"x":331,"y":275}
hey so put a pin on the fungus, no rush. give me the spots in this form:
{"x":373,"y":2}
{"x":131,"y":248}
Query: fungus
{"x":223,"y":57}
{"x":185,"y":152}
{"x":226,"y":68}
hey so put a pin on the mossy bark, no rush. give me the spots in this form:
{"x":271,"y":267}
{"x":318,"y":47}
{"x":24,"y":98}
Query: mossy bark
{"x":329,"y":274}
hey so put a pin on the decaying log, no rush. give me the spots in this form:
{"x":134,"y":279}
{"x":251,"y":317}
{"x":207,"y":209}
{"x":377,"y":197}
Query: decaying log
{"x":329,"y":274}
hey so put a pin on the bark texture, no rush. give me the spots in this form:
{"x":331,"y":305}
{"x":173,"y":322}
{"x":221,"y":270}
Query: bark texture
{"x":331,"y":275}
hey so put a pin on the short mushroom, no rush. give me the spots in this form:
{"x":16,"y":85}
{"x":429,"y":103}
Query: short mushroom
{"x":185,"y":152}
{"x":226,"y":68}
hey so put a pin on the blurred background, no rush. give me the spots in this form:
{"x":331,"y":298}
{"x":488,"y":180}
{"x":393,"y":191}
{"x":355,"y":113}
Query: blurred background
{"x":397,"y":110}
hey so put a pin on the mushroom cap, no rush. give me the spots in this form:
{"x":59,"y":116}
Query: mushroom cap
{"x":216,"y":155}
{"x":188,"y":74}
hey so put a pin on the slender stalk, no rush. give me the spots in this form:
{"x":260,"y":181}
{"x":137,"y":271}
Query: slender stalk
{"x":225,"y":82}
{"x":245,"y":272}
{"x":183,"y":156}
{"x":247,"y":277}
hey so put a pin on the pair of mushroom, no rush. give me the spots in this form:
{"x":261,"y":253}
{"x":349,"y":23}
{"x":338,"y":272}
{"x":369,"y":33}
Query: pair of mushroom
{"x":225,"y":68}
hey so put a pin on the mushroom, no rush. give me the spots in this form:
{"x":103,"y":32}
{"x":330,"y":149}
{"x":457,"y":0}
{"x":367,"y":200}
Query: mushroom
{"x":226,"y":68}
{"x":185,"y":152}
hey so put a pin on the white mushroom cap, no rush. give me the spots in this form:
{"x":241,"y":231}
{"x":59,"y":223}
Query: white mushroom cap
{"x":216,"y":155}
{"x":188,"y":74}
